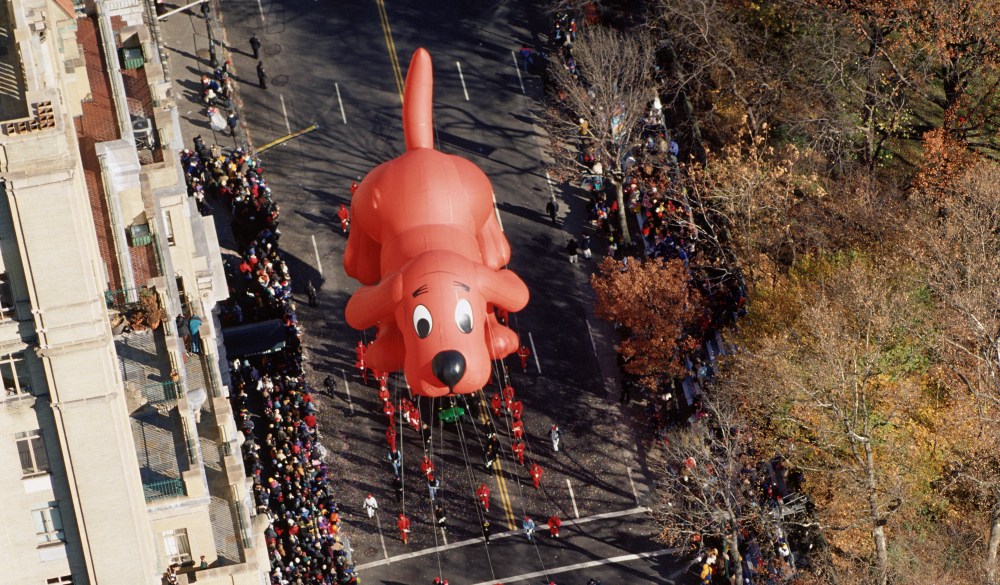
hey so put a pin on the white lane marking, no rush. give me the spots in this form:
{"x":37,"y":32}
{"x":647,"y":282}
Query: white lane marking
{"x":319,"y":264}
{"x":378,"y":521}
{"x":552,"y":191}
{"x":288,"y":127}
{"x":260,"y":7}
{"x":518,"y":69}
{"x":479,"y":541}
{"x":347,"y":388}
{"x":462,"y":77}
{"x":586,"y":565}
{"x":497,"y":210}
{"x":534,"y":352}
{"x":342,"y":114}
{"x":176,"y":10}
{"x":572,"y":498}
{"x":632,"y":483}
{"x":593,"y":344}
{"x":444,"y":535}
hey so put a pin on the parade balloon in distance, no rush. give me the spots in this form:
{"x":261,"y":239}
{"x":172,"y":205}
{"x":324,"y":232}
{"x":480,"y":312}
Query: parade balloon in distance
{"x":426,"y":244}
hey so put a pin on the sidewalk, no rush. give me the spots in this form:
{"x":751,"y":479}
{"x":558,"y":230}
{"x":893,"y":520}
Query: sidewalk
{"x":185,"y":36}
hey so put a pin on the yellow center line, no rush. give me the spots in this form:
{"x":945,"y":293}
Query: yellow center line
{"x":498,"y":471}
{"x":390,"y":46}
{"x":504,"y":496}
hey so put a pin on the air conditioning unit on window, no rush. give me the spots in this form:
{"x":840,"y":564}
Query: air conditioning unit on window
{"x":139,"y":235}
{"x":142,"y":127}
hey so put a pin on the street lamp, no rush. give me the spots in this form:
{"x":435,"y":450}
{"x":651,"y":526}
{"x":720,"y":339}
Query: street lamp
{"x":206,"y":10}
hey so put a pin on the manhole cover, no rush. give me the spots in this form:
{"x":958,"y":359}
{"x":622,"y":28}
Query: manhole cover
{"x":280,"y":80}
{"x":370,"y":552}
{"x":203,"y":53}
{"x":272,"y":50}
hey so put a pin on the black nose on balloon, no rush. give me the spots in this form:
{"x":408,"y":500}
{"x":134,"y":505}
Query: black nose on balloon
{"x":449,"y":367}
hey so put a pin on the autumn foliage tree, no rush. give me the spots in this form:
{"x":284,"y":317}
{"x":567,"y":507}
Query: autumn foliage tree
{"x":656,"y":310}
{"x":961,"y":248}
{"x":840,"y":364}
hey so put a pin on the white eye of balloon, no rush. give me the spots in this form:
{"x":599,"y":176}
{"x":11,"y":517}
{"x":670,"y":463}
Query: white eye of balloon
{"x":422,"y":321}
{"x":463,"y":316}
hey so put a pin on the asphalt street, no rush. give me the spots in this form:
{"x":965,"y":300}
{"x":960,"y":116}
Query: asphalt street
{"x":340,"y":65}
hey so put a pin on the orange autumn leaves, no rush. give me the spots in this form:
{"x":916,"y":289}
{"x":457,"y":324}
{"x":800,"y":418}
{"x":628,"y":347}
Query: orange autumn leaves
{"x":656,"y":310}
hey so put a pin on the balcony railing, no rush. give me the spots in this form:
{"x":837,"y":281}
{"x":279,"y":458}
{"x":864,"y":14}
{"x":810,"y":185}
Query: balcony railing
{"x":244,"y":533}
{"x":157,"y":393}
{"x":119,"y":297}
{"x":212,"y":373}
{"x":158,"y":490}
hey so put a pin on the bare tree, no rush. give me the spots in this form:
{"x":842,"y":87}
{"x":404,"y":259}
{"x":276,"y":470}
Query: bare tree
{"x":849,"y":393}
{"x":609,"y":87}
{"x":962,"y":247}
{"x":707,"y":488}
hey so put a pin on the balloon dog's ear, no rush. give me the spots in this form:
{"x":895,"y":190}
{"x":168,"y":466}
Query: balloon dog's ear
{"x":371,"y":304}
{"x":502,"y":288}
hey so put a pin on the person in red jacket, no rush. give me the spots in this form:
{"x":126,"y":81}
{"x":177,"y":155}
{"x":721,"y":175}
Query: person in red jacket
{"x":516,"y":408}
{"x":414,"y":417}
{"x":536,"y":474}
{"x":523,"y":352}
{"x":518,"y":448}
{"x":359,"y":352}
{"x":427,"y":466}
{"x":354,"y":187}
{"x":345,"y":218}
{"x":495,"y":404}
{"x":390,"y":438}
{"x":483,"y":493}
{"x":404,"y":528}
{"x":517,"y":429}
{"x":554,"y":524}
{"x":508,"y":396}
{"x":390,"y":412}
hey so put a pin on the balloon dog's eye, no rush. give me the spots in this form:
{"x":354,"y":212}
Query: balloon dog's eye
{"x":422,"y":321}
{"x":463,"y":316}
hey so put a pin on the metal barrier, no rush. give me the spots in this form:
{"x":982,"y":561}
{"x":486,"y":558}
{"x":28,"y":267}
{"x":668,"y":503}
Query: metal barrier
{"x":212,"y":373}
{"x":157,"y":251}
{"x":119,"y":297}
{"x":239,"y":515}
{"x":157,"y":393}
{"x":158,"y":490}
{"x":192,"y":452}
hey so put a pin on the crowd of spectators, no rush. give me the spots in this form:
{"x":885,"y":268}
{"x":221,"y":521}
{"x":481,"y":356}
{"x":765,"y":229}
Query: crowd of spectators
{"x":273,"y":403}
{"x":667,"y":225}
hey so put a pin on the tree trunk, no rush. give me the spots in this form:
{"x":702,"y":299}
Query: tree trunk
{"x":685,"y":109}
{"x":994,"y":544}
{"x":871,"y":102}
{"x":734,"y":556}
{"x":878,"y":530}
{"x":622,"y":211}
{"x":953,"y":84}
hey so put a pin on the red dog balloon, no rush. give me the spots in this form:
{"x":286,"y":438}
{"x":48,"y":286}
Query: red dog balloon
{"x":427,"y":245}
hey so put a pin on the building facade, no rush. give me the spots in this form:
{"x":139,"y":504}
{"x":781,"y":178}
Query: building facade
{"x":119,"y":456}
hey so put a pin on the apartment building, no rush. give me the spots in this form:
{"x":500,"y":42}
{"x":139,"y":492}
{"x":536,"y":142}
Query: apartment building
{"x":118,"y":452}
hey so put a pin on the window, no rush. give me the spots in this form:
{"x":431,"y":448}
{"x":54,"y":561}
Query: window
{"x":168,"y":224}
{"x":48,"y":523}
{"x":31,"y":450}
{"x":14,"y":372}
{"x":66,"y":580}
{"x":6,"y":298}
{"x":176,"y":544}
